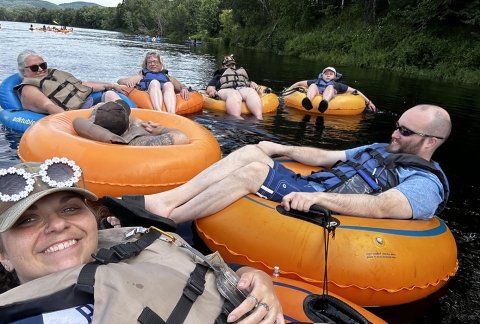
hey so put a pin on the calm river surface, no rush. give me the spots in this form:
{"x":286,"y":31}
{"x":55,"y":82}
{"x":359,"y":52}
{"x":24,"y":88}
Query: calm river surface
{"x":105,"y":56}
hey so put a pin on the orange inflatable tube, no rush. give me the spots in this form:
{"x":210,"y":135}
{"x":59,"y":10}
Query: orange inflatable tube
{"x":292,"y":294}
{"x":183,"y":107}
{"x":342,"y":104}
{"x":372,"y":262}
{"x":269,"y":100}
{"x":113,"y":169}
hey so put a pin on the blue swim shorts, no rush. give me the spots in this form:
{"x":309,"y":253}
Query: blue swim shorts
{"x":281,"y":181}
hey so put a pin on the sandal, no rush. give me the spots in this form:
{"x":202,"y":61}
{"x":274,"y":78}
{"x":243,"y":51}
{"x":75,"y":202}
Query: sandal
{"x":130,"y":210}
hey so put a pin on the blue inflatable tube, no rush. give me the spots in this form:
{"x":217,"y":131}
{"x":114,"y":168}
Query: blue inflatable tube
{"x":12,"y":114}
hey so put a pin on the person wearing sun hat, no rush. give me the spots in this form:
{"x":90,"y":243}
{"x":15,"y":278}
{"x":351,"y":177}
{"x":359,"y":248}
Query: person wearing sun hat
{"x":328,"y":86}
{"x":23,"y":185}
{"x":49,"y":236}
{"x":232,"y":85}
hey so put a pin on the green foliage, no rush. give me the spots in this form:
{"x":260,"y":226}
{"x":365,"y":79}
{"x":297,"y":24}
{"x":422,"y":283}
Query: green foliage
{"x":439,"y":38}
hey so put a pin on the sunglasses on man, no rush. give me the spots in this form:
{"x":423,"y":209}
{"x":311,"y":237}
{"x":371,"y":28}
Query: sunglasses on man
{"x":404,"y":131}
{"x":36,"y":67}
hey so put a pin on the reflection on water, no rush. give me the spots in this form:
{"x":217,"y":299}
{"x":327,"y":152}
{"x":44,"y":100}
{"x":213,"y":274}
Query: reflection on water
{"x":106,"y":56}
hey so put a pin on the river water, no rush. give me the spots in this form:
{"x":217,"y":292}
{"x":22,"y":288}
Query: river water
{"x":106,"y":56}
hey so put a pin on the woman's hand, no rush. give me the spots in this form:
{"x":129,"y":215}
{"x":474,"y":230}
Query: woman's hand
{"x":262,"y":300}
{"x":121,"y":88}
{"x":185,"y":93}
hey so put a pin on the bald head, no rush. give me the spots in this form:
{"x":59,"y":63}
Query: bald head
{"x":436,"y":120}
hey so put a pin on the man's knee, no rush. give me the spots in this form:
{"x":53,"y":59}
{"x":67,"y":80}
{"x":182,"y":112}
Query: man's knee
{"x":254,"y":174}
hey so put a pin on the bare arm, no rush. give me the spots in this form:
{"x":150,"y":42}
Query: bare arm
{"x":105,"y":86}
{"x":87,"y":129}
{"x":389,"y":204}
{"x":130,"y":81}
{"x":33,"y":99}
{"x":178,"y":137}
{"x":180,"y":88}
{"x":306,"y":155}
{"x":259,"y":285}
{"x":302,"y":83}
{"x":368,"y":102}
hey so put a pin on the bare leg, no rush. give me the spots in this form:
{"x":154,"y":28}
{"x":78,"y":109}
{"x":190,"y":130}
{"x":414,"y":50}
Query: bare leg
{"x":169,"y":97}
{"x":233,"y":101}
{"x":156,"y":95}
{"x":328,"y":93}
{"x":253,"y":101}
{"x":164,"y":203}
{"x":312,"y":91}
{"x":219,"y":195}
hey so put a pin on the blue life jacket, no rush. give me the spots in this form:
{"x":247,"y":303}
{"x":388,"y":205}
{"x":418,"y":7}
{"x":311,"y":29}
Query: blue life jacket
{"x":373,"y":171}
{"x":148,"y":76}
{"x":322,"y":84}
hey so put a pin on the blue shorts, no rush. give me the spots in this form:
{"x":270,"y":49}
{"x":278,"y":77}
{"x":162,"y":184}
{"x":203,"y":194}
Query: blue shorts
{"x":281,"y":181}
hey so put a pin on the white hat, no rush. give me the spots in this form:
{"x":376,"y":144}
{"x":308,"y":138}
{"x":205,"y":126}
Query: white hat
{"x":331,"y":69}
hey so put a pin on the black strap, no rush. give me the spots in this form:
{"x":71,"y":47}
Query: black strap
{"x":194,"y":288}
{"x":148,"y":316}
{"x":115,"y":254}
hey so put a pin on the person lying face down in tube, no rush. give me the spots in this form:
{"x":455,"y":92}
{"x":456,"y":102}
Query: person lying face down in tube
{"x":111,"y":122}
{"x":48,"y":232}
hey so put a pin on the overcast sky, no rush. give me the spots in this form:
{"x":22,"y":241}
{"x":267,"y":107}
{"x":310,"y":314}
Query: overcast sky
{"x":105,"y":3}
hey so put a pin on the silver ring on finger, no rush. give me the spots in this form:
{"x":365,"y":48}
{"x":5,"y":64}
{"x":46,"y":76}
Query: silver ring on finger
{"x":264,"y":305}
{"x":255,"y":299}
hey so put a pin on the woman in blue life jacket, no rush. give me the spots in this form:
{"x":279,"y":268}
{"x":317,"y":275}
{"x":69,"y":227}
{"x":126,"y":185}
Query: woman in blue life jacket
{"x":49,"y":91}
{"x":327,"y":86}
{"x":48,"y":225}
{"x":154,"y":78}
{"x":232,"y":85}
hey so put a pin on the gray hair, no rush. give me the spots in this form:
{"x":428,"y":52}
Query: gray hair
{"x":23,"y":56}
{"x":157,"y":55}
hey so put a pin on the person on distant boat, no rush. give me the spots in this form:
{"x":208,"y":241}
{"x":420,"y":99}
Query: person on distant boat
{"x":111,"y":122}
{"x":232,"y":85}
{"x":395,"y":180}
{"x":326,"y":85}
{"x":51,"y":91}
{"x":154,"y":79}
{"x":31,"y":27}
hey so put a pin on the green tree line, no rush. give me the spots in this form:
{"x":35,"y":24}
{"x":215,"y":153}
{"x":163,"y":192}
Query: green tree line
{"x":431,"y":38}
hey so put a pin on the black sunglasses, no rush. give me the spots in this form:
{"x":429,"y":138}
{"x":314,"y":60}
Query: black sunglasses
{"x":36,"y":67}
{"x":404,"y":131}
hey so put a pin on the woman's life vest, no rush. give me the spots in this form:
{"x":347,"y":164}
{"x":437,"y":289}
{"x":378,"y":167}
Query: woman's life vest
{"x":157,"y":278}
{"x":373,"y":171}
{"x":62,"y":88}
{"x":148,"y":76}
{"x":233,"y":79}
